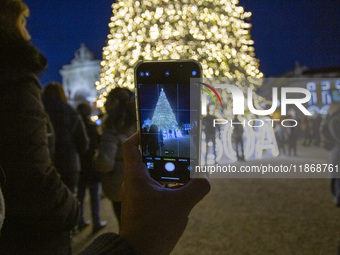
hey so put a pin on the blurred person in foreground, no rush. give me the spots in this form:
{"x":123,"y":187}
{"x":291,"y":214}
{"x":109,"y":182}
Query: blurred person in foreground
{"x":71,"y":140}
{"x":330,"y":128}
{"x":40,"y":209}
{"x":330,"y":134}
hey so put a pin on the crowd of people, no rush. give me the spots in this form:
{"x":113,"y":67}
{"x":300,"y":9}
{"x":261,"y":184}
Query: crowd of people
{"x":307,"y":131}
{"x":48,"y":159}
{"x":50,"y":154}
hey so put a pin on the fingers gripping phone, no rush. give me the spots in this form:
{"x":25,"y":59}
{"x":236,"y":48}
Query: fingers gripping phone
{"x":168,"y":117}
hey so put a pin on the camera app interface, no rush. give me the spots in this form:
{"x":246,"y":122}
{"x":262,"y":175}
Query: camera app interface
{"x":167,"y":129}
{"x":165,"y":120}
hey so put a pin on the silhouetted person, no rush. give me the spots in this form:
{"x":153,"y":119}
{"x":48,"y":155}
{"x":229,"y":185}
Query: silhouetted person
{"x":316,"y":130}
{"x":292,"y":136}
{"x":152,"y":140}
{"x":306,"y":131}
{"x":210,"y":133}
{"x":119,"y":124}
{"x":238,"y":136}
{"x":280,"y":138}
{"x":89,"y":178}
{"x":161,"y":140}
{"x":170,"y":134}
{"x":144,"y":137}
{"x":329,"y":130}
{"x":40,"y":209}
{"x":331,"y":141}
{"x":70,"y":134}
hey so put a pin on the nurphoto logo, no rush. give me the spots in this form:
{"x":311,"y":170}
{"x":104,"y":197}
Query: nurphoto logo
{"x":238,"y":104}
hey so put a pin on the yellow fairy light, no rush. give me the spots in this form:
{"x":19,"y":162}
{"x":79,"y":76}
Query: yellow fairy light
{"x":204,"y":30}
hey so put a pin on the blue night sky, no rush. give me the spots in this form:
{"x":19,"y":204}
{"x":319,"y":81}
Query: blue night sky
{"x":284,"y":32}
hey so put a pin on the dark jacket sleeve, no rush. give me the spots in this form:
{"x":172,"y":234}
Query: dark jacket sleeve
{"x":109,"y":244}
{"x":37,"y":198}
{"x":80,"y":136}
{"x":105,"y":159}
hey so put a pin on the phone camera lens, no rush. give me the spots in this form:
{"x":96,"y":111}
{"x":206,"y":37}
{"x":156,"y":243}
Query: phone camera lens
{"x":194,"y":73}
{"x":141,"y":74}
{"x":147,"y":73}
{"x":167,"y":73}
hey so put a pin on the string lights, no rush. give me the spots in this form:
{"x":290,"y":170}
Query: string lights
{"x":214,"y":33}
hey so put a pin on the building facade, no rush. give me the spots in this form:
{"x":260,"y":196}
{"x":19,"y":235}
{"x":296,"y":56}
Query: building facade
{"x":323,"y":84}
{"x":79,"y":77}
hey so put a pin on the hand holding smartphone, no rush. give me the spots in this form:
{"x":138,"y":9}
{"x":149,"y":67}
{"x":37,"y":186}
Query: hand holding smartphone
{"x":168,"y":117}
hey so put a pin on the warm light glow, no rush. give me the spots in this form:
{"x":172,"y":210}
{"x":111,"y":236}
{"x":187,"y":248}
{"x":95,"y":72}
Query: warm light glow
{"x":211,"y":32}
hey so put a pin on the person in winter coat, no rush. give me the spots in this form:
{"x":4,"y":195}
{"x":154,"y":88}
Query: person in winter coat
{"x":118,"y":125}
{"x":331,"y":139}
{"x":40,"y":209}
{"x":71,"y":139}
{"x":89,"y":177}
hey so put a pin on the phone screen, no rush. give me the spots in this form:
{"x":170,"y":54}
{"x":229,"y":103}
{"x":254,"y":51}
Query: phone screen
{"x":168,"y":120}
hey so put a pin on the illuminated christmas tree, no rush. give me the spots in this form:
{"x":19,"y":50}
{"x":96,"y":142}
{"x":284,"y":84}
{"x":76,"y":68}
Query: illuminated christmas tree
{"x":163,"y":116}
{"x":212,"y":32}
{"x":215,"y":33}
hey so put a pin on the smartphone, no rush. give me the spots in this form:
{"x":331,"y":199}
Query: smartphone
{"x":168,"y":103}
